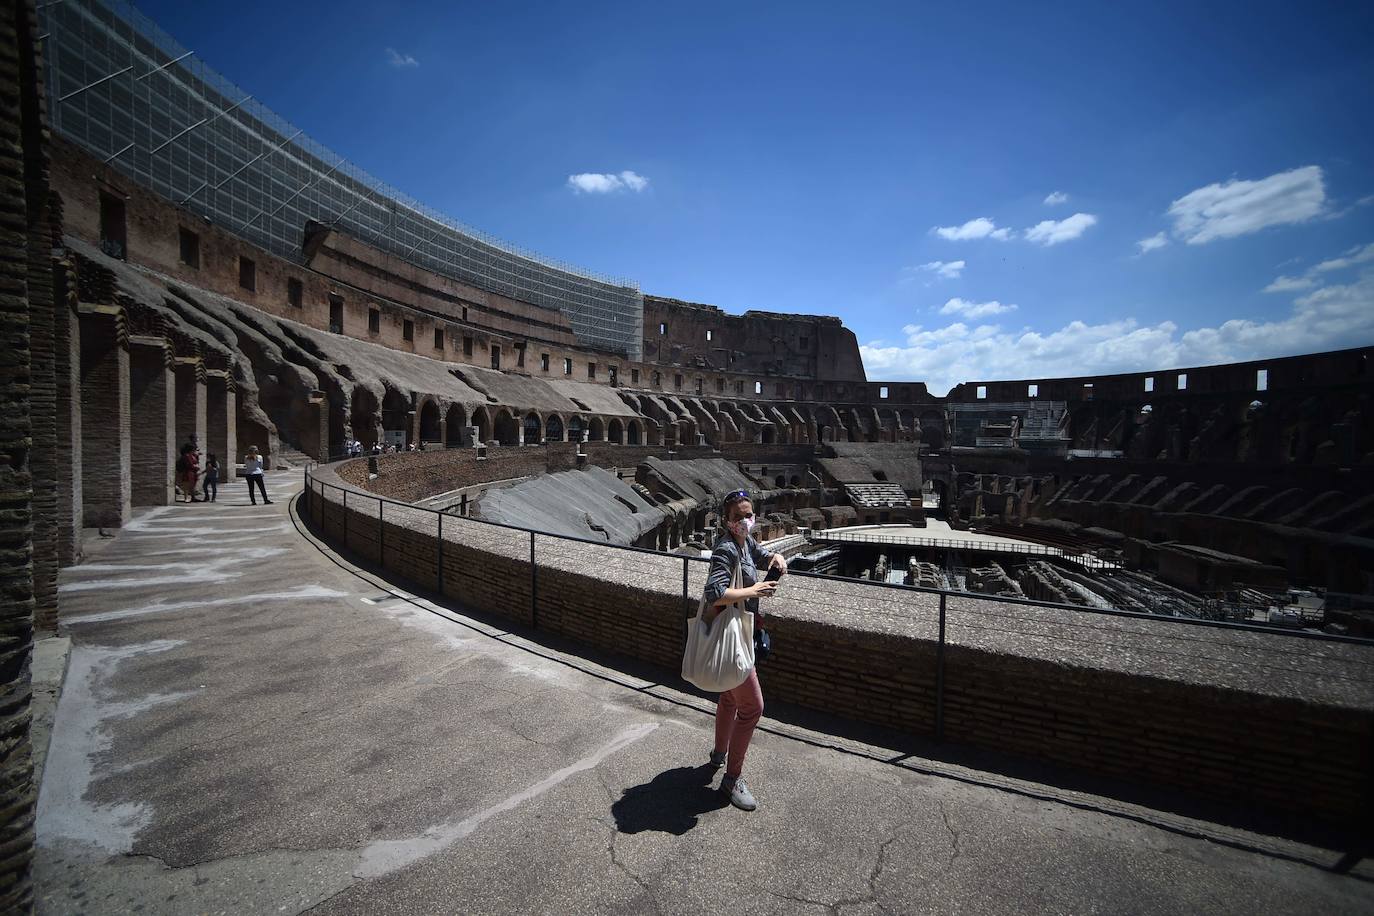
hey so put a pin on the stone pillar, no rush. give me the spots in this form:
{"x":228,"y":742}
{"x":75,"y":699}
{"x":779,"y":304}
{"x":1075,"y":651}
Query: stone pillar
{"x":152,"y":411}
{"x":190,"y":400}
{"x":105,"y":457}
{"x":221,"y":421}
{"x":67,"y":347}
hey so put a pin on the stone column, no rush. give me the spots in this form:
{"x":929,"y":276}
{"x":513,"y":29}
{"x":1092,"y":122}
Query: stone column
{"x":221,"y":421}
{"x":190,"y":400}
{"x":105,"y":458}
{"x":152,"y":411}
{"x":67,"y":347}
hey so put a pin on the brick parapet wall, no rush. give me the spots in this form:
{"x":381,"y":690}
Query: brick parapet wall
{"x":1132,"y":707}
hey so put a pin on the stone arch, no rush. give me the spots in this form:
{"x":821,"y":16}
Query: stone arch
{"x":596,"y":430}
{"x":614,"y":431}
{"x":396,"y":413}
{"x":769,"y":435}
{"x":632,"y":433}
{"x":454,"y":424}
{"x":429,"y":421}
{"x":577,"y":428}
{"x":505,"y":429}
{"x":553,"y":428}
{"x":533,"y":429}
{"x":482,"y":420}
{"x":364,"y":416}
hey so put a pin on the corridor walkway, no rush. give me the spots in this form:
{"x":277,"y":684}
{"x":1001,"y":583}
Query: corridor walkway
{"x":250,"y":725}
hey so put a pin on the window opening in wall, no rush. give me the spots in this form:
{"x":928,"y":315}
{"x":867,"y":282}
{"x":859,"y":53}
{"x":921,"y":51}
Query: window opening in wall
{"x":336,"y":314}
{"x":113,"y":227}
{"x":739,"y":386}
{"x":190,"y":247}
{"x":374,"y":321}
{"x":1087,"y":391}
{"x":465,"y":313}
{"x":982,"y":391}
{"x":591,"y":370}
{"x":699,"y":384}
{"x":407,"y":329}
{"x":709,"y":334}
{"x":248,"y":274}
{"x":720,"y":384}
{"x":662,"y":329}
{"x":758,"y":388}
{"x":634,"y":376}
{"x":520,"y":354}
{"x":467,"y":345}
{"x":295,"y":293}
{"x":614,"y":374}
{"x":1183,"y":381}
{"x":495,"y":357}
{"x":657,"y":378}
{"x":882,"y":392}
{"x":1262,"y":380}
{"x":677,"y":380}
{"x":1150,"y":383}
{"x":544,"y":362}
{"x":1032,"y":391}
{"x":567,"y":365}
{"x":438,"y":338}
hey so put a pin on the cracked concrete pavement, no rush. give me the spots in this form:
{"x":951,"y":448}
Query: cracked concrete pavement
{"x":265,"y":730}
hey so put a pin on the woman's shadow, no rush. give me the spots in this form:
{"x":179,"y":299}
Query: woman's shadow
{"x":671,"y":802}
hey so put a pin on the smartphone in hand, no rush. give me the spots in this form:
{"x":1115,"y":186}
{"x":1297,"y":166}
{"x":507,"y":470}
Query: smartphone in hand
{"x":774,"y":574}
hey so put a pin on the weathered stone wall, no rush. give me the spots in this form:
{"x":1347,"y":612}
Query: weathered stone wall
{"x":1194,"y":708}
{"x":105,"y":455}
{"x":152,"y":411}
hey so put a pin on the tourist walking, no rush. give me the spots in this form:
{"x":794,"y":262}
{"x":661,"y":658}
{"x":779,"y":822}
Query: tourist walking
{"x":738,"y":710}
{"x":188,"y":471}
{"x":210,"y":488}
{"x":252,"y":469}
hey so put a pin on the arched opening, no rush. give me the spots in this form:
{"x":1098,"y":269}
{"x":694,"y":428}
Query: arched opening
{"x":396,"y":418}
{"x":577,"y":428}
{"x":429,"y":422}
{"x":769,"y":435}
{"x":362,"y":417}
{"x":482,"y":420}
{"x":532,"y":429}
{"x":505,"y":429}
{"x":596,"y":430}
{"x":780,"y":481}
{"x":553,"y":428}
{"x":794,"y":480}
{"x":632,"y":433}
{"x":614,"y":432}
{"x":457,"y":421}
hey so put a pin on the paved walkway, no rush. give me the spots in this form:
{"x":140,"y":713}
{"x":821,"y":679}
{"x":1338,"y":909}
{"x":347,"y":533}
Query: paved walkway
{"x":249,"y":726}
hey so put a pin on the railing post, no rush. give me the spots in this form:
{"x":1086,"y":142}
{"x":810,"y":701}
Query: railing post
{"x":439,"y":570}
{"x":686,"y":606}
{"x":381,"y":534}
{"x":345,"y":514}
{"x":940,"y":676}
{"x":534,"y":586}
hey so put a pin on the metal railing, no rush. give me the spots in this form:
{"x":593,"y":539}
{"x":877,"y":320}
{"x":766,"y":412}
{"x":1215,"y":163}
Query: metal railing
{"x":1084,"y":558}
{"x":968,"y":604}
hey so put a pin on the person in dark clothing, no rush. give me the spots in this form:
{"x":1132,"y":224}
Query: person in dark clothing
{"x":210,"y":487}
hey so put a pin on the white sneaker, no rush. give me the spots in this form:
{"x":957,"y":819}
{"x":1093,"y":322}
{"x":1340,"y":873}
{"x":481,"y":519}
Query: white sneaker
{"x":739,"y":793}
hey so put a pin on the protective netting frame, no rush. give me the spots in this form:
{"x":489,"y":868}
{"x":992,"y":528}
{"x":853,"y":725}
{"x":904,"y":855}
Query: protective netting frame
{"x":130,"y":95}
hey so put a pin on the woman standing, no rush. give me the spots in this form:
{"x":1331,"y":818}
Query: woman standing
{"x":252,"y":470}
{"x":738,"y":710}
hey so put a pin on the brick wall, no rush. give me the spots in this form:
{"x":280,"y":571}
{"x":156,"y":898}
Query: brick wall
{"x":221,"y":428}
{"x":152,"y":412}
{"x":1221,"y":739}
{"x":190,"y":401}
{"x":105,"y":458}
{"x":67,"y":349}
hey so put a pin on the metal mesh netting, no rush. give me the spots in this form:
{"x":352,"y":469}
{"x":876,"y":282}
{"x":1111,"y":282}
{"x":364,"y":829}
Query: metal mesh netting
{"x":125,"y":91}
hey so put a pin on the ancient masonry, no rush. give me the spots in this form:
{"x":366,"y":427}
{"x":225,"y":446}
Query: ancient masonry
{"x":137,"y":317}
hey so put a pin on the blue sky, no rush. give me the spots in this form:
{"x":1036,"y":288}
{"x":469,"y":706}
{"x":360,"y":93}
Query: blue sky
{"x":805,"y":158}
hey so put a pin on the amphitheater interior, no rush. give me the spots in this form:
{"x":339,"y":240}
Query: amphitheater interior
{"x":471,"y":382}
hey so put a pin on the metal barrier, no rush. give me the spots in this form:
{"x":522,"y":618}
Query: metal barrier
{"x":317,"y":489}
{"x":872,"y":537}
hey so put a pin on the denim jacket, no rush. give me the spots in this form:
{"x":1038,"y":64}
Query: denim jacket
{"x":723,"y":560}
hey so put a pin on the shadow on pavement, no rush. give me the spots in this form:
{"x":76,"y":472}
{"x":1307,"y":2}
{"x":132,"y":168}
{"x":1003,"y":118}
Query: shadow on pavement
{"x":671,"y":802}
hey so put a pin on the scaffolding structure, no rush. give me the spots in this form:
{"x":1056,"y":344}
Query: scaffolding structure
{"x":130,"y":95}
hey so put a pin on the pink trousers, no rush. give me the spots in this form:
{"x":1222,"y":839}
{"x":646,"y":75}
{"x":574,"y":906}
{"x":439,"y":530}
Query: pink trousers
{"x":736,"y":715}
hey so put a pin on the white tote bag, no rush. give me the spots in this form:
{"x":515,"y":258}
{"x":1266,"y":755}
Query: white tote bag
{"x":720,"y":655}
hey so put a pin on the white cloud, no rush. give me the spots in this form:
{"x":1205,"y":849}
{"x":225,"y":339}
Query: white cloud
{"x":1290,"y":284}
{"x":1357,"y":255}
{"x":975,"y":309}
{"x":978,"y":228}
{"x":1052,"y":232}
{"x":606,"y":182}
{"x":400,"y":61}
{"x":1158,"y":240}
{"x":949,"y":270}
{"x":1221,"y":211}
{"x":1054,"y":198}
{"x":1327,"y":318}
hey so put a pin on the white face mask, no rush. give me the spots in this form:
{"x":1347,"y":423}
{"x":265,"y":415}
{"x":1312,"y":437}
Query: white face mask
{"x":742,"y":526}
